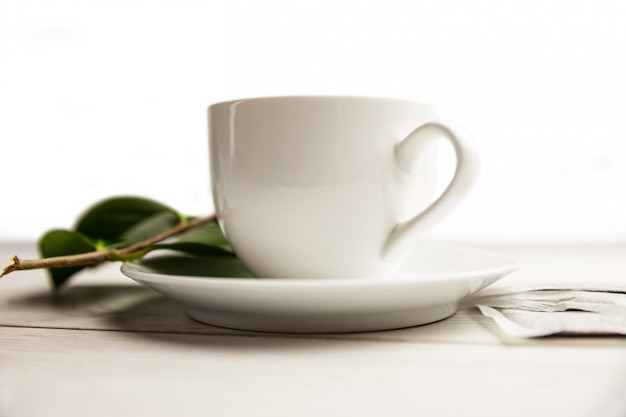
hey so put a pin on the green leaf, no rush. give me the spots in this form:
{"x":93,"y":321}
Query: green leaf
{"x":222,"y":265}
{"x":110,"y":219}
{"x":119,"y":221}
{"x":208,"y":234}
{"x":60,"y":243}
{"x":101,"y":244}
{"x":113,"y":257}
{"x":193,"y":248}
{"x":150,"y":226}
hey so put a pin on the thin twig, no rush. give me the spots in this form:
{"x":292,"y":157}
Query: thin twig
{"x":98,"y":257}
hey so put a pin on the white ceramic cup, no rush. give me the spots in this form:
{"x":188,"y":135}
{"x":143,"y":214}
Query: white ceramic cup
{"x":330,"y":187}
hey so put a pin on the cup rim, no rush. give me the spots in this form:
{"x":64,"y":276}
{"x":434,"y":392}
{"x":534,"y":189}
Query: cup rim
{"x":424,"y":103}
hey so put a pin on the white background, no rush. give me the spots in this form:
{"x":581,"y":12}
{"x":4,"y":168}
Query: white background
{"x":109,"y":97}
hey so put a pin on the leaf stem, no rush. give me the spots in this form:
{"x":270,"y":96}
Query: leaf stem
{"x":100,"y":256}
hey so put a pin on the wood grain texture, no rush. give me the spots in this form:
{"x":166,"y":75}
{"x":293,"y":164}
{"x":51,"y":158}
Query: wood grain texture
{"x":108,"y":346}
{"x":103,"y":373}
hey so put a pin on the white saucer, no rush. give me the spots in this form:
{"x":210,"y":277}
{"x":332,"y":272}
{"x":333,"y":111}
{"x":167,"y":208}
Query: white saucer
{"x":435,"y":278}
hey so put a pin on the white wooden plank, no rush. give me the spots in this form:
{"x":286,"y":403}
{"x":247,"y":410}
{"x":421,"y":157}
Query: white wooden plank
{"x":52,"y":373}
{"x":105,"y":299}
{"x":145,"y":357}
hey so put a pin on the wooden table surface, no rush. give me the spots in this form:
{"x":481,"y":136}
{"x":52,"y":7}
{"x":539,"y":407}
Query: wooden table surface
{"x":106,"y":346}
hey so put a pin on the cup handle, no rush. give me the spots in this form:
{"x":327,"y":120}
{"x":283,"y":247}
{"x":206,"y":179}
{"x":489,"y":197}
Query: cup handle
{"x":405,"y":234}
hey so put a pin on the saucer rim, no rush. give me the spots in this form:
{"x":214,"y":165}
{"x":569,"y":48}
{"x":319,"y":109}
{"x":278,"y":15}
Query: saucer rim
{"x":509,"y":264}
{"x":321,"y":306}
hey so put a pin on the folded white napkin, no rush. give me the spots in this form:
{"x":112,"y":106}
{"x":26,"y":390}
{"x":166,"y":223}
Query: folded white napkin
{"x":582,"y":309}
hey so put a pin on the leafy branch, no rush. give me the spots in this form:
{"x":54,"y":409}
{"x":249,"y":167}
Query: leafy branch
{"x":123,"y":229}
{"x":130,"y":252}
